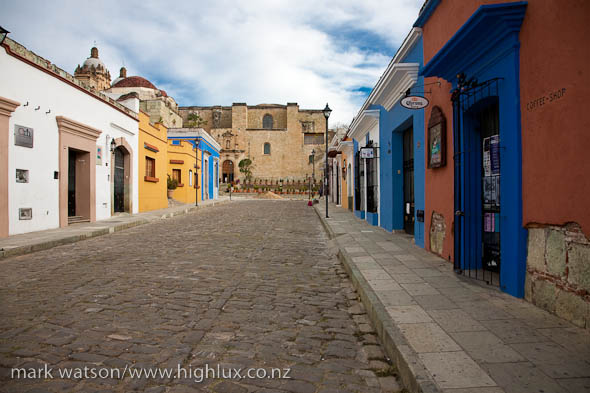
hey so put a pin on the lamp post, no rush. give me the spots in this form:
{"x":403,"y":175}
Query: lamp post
{"x":3,"y":33}
{"x":327,"y":112}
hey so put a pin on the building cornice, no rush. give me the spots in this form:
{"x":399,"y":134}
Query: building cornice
{"x":7,"y":106}
{"x":398,"y":78}
{"x":78,"y":129}
{"x":487,"y":28}
{"x":364,"y":123}
{"x":409,"y":42}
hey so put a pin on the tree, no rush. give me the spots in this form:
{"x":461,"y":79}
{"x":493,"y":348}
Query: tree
{"x":195,"y":120}
{"x":246,"y":168}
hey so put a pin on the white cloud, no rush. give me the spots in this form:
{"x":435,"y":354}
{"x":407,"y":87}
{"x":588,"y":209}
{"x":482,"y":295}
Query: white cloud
{"x":219,"y":52}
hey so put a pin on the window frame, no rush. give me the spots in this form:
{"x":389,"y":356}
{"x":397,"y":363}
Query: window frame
{"x":264,"y":121}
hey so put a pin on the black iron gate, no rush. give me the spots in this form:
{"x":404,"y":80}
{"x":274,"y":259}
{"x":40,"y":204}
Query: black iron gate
{"x":476,"y":144}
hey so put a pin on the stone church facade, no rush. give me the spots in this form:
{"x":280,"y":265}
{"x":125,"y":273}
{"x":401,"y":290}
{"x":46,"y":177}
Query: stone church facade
{"x":277,"y":138}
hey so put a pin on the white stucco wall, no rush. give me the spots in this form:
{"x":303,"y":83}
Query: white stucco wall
{"x":24,"y":83}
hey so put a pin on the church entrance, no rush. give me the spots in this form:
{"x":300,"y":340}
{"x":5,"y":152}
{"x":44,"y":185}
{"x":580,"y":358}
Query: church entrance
{"x":228,"y":171}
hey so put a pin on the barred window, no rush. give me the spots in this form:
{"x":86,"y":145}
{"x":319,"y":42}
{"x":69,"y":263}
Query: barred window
{"x":267,"y":148}
{"x":150,"y":167}
{"x":267,"y":122}
{"x":313,"y":139}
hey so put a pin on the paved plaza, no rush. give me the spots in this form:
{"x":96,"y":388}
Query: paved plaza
{"x":245,"y":285}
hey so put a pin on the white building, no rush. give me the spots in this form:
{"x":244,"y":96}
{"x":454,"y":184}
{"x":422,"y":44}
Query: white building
{"x":56,"y":137}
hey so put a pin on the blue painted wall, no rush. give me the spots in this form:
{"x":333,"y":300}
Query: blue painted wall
{"x":391,"y":126}
{"x":210,"y":173}
{"x":493,"y":53}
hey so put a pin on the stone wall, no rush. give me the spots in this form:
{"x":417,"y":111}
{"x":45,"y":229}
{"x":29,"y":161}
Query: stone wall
{"x":257,"y":113}
{"x":558,"y":272}
{"x":159,"y":112}
{"x":241,"y":126}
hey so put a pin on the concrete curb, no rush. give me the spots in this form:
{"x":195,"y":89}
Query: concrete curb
{"x":68,"y":239}
{"x":412,"y":372}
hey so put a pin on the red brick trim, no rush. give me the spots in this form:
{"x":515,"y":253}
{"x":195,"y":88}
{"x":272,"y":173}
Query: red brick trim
{"x":150,"y":147}
{"x":151,"y":179}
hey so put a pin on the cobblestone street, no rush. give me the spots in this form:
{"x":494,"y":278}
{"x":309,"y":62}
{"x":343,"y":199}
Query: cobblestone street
{"x":245,"y":285}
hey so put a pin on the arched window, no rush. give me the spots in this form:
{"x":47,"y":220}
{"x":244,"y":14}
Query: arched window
{"x":267,"y":122}
{"x":267,"y":148}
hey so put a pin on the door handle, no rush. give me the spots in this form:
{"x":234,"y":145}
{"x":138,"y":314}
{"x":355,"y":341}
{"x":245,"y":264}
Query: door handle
{"x":459,"y":213}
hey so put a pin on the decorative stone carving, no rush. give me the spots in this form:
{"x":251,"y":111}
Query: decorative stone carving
{"x":216,"y":119}
{"x":437,"y":233}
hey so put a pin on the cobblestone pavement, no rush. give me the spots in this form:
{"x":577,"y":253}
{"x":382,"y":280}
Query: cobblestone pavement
{"x":247,"y":285}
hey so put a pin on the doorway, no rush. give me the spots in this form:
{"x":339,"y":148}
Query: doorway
{"x":119,"y":181}
{"x":206,"y":180}
{"x":228,"y":171}
{"x":477,"y":186}
{"x":78,"y":186}
{"x":71,"y":183}
{"x":408,"y":165}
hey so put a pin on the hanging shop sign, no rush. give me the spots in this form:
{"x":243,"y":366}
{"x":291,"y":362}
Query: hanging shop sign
{"x":367,"y":152}
{"x":414,"y":102}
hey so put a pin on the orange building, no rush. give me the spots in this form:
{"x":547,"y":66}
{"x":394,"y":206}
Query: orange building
{"x":152,"y":164}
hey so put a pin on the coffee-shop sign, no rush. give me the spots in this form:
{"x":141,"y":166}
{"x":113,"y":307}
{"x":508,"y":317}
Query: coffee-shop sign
{"x":414,"y":102}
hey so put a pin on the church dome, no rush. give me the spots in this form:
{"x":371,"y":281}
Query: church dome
{"x":93,"y":60}
{"x":134,"y":81}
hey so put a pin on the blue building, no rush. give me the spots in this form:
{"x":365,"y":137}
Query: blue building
{"x":389,"y":147}
{"x":209,"y":149}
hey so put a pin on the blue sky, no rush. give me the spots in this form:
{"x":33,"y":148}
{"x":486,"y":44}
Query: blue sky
{"x":219,"y":52}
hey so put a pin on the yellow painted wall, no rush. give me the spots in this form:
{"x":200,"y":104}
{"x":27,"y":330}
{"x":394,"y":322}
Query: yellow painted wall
{"x":344,"y":184}
{"x":152,"y":191}
{"x":185,"y":153}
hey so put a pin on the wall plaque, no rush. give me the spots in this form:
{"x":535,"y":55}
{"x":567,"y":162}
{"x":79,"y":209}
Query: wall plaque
{"x":437,"y":139}
{"x":25,"y":213}
{"x":23,"y":136}
{"x":22,"y":176}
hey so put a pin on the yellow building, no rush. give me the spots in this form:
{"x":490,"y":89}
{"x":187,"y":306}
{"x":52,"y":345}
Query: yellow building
{"x":181,"y":166}
{"x":346,"y":147}
{"x":153,"y":141}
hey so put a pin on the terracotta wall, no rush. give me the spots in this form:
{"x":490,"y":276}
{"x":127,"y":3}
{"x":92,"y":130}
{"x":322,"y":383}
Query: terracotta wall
{"x":555,"y":88}
{"x":438,"y":188}
{"x":554,"y":85}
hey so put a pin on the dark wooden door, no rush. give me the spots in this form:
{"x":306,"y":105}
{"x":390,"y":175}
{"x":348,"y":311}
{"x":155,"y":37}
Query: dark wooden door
{"x":71,"y":183}
{"x":409,"y":181}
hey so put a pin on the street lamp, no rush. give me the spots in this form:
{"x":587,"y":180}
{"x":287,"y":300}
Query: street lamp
{"x":113,"y":145}
{"x":327,"y":112}
{"x":3,"y":33}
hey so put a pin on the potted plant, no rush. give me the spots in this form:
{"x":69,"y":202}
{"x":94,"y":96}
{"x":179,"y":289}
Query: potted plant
{"x":172,"y":184}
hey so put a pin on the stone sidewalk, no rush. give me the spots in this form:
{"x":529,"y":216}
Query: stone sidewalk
{"x":43,"y":240}
{"x":449,"y":333}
